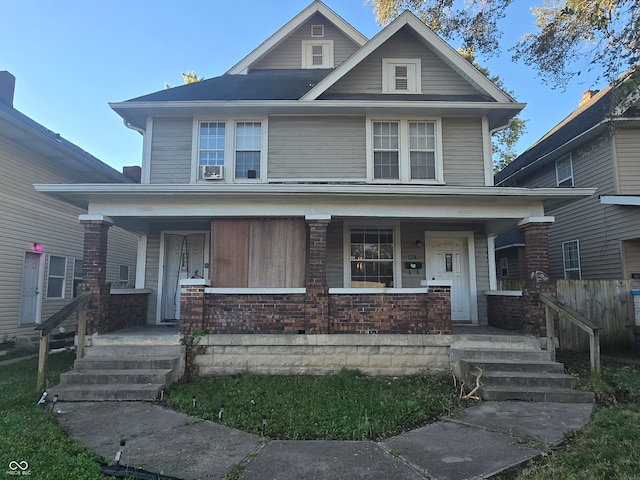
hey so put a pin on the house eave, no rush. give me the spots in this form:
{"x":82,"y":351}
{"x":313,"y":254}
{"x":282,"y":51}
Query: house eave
{"x":136,"y":113}
{"x":84,"y":194}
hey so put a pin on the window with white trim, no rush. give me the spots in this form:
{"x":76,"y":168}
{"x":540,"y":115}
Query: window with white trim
{"x":237,"y":145}
{"x":371,"y":257}
{"x":564,"y":171}
{"x":77,"y":276}
{"x":401,"y":75}
{"x":504,"y":267}
{"x":317,"y":31}
{"x":56,"y":277}
{"x":123,"y":274}
{"x":248,"y":146}
{"x":404,"y":151}
{"x":317,"y":54}
{"x":211,"y":144}
{"x":571,"y":260}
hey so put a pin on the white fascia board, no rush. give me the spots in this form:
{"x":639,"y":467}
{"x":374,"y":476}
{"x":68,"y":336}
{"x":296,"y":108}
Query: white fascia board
{"x":630,"y":200}
{"x":242,"y":67}
{"x":441,"y":48}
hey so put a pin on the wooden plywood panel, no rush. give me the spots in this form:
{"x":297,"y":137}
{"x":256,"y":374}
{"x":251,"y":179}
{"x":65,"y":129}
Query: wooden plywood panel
{"x":230,"y":253}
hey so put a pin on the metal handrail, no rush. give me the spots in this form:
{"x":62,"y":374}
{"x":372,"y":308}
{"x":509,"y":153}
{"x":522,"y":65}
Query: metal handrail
{"x":77,"y":305}
{"x":552,"y":303}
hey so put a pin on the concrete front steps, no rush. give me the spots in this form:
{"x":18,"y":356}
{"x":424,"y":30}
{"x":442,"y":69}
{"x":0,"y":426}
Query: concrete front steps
{"x":121,"y":372}
{"x":514,"y":368}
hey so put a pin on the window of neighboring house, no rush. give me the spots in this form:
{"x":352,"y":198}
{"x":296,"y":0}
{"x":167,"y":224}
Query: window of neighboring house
{"x":248,"y":149}
{"x":372,"y":257}
{"x":504,"y":267}
{"x":401,"y":75}
{"x":123,"y":274}
{"x":56,"y":277}
{"x":211,"y":144}
{"x":564,"y":171}
{"x":317,"y":54}
{"x":405,"y":150}
{"x":77,"y":276}
{"x":571,"y":260}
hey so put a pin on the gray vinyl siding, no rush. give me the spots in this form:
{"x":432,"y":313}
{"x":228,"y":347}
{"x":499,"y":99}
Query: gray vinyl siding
{"x":462,"y":150}
{"x":317,"y":147}
{"x":597,"y":227}
{"x":288,"y":54}
{"x":437,"y":77}
{"x":28,"y":217}
{"x":482,"y":275}
{"x":171,"y":149}
{"x":516,"y":263}
{"x":409,"y":233}
{"x":627,"y":144}
{"x":151,"y":274}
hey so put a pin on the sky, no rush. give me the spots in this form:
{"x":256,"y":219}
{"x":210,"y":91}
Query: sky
{"x":72,"y":57}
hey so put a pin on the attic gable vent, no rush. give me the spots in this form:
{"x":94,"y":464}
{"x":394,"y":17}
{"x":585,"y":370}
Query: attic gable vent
{"x":401,"y":77}
{"x":317,"y":30}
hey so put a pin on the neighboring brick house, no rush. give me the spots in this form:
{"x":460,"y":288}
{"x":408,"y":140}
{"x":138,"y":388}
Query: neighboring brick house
{"x":327,"y":183}
{"x":597,"y":145}
{"x":41,"y":240}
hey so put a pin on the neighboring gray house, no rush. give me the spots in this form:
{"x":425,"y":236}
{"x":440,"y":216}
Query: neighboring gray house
{"x":597,"y":145}
{"x":41,"y":239}
{"x":322,"y":185}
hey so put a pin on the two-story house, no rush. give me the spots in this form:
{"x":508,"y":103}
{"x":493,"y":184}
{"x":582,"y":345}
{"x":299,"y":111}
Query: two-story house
{"x":597,"y":145}
{"x":327,"y":183}
{"x":41,"y":241}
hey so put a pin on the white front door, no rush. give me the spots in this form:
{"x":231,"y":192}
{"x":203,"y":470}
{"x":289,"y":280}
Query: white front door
{"x":31,"y":288}
{"x":184,"y":257}
{"x":448,"y":259}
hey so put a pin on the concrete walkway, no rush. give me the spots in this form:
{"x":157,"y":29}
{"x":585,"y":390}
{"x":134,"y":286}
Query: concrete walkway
{"x":481,"y":441}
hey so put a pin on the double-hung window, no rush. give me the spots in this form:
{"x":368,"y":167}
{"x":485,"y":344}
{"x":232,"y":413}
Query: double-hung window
{"x":564,"y":171}
{"x":571,"y":260}
{"x":404,"y":151}
{"x":372,"y":257}
{"x":56,"y":277}
{"x":234,"y":149}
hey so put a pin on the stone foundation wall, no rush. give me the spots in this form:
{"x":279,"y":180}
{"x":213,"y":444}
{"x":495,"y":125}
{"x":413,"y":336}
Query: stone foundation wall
{"x":322,"y":354}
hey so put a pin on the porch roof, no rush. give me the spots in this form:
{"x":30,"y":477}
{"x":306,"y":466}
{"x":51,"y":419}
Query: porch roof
{"x":153,"y":202}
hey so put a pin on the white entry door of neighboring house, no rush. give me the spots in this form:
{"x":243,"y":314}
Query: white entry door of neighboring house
{"x":184,"y":257}
{"x":447,"y":258}
{"x":31,"y":288}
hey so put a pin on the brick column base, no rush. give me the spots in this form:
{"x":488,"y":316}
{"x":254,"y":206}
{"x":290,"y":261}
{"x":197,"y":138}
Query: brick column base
{"x":192,"y":306}
{"x":94,"y":275}
{"x":439,"y":310}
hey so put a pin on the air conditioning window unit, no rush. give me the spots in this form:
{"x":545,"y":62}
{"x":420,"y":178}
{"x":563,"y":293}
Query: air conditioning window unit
{"x":213,"y":172}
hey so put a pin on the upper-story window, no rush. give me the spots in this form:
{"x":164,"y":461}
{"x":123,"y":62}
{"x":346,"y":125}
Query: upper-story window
{"x":317,"y":31}
{"x":404,"y":151}
{"x":564,"y":171}
{"x":317,"y":54}
{"x":233,"y":149}
{"x":401,"y":75}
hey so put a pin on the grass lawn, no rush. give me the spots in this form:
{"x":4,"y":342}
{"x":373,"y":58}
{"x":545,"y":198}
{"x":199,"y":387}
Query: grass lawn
{"x":346,"y":406}
{"x":609,"y":446}
{"x":30,"y":433}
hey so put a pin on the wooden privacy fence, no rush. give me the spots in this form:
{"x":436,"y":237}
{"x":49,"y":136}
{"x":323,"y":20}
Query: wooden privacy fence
{"x":605,"y":303}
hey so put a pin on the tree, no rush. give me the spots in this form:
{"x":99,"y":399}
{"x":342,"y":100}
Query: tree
{"x":503,"y":142}
{"x":605,"y":33}
{"x":189,"y":77}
